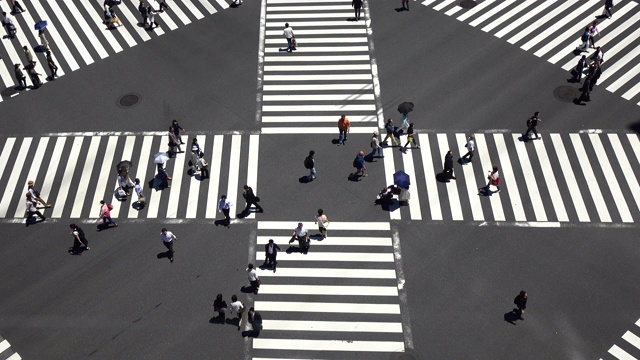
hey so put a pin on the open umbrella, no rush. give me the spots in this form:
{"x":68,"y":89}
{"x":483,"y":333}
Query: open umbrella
{"x":124,"y":165}
{"x":401,"y":179}
{"x":160,"y":158}
{"x":405,"y":107}
{"x":40,"y":25}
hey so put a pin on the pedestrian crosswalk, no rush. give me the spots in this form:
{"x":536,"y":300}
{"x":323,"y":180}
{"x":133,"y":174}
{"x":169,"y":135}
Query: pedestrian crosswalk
{"x":551,"y":30}
{"x":6,"y":352}
{"x":628,"y":349}
{"x":75,"y":172}
{"x":77,"y":36}
{"x":560,"y":178}
{"x":330,"y":73}
{"x":338,"y":301}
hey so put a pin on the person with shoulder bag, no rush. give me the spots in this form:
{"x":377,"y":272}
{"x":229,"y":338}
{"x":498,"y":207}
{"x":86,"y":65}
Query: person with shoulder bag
{"x":323,"y":223}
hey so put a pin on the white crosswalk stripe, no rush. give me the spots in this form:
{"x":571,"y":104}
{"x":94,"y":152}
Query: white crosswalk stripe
{"x":324,"y":310}
{"x":568,"y":178}
{"x":629,"y":349}
{"x":78,"y":37}
{"x":6,"y":352}
{"x":552,"y":29}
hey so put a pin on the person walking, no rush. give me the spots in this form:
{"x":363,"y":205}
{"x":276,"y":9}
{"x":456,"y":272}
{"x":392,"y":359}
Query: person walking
{"x":593,"y":31}
{"x":532,"y":126}
{"x":33,"y":75}
{"x":142,"y":9}
{"x":582,"y":63}
{"x":151,"y":14}
{"x":105,"y":214}
{"x":17,"y":8}
{"x":220,"y":306}
{"x":52,"y":66}
{"x":79,"y":240}
{"x":32,"y":210}
{"x":44,"y":43}
{"x":290,"y":36}
{"x":196,"y":147}
{"x":35,"y":195}
{"x":357,"y":7}
{"x":225,"y":205}
{"x":177,"y":129}
{"x":301,"y":234}
{"x":608,"y":8}
{"x":390,"y":129}
{"x":139,"y":193}
{"x":162,"y":4}
{"x":270,"y":254}
{"x":596,"y":71}
{"x":174,"y":142}
{"x":344,"y":126}
{"x":598,"y":55}
{"x":237,"y":308}
{"x":251,"y":199}
{"x":310,"y":164}
{"x":375,"y":146}
{"x":585,"y":40}
{"x":521,"y":303}
{"x":10,"y":27}
{"x":410,"y":139}
{"x":28,"y":55}
{"x":405,"y":4}
{"x":255,"y":319}
{"x":358,"y":163}
{"x":493,"y":179}
{"x":471,"y":149}
{"x":22,"y":80}
{"x":203,"y":165}
{"x":448,"y":165}
{"x":586,"y":86}
{"x":254,"y":280}
{"x":323,"y":223}
{"x":167,"y":238}
{"x":163,"y":177}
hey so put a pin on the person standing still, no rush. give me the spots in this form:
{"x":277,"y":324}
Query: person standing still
{"x":532,"y":126}
{"x":290,"y":36}
{"x":357,"y":7}
{"x":471,"y":149}
{"x":52,"y":66}
{"x":521,"y":303}
{"x":167,"y":238}
{"x":375,"y":146}
{"x":224,"y":205}
{"x":255,"y":319}
{"x":254,"y":280}
{"x":390,"y":129}
{"x":323,"y":223}
{"x":143,"y":12}
{"x":22,"y":80}
{"x":344,"y":126}
{"x":270,"y":254}
{"x":251,"y":199}
{"x":310,"y":164}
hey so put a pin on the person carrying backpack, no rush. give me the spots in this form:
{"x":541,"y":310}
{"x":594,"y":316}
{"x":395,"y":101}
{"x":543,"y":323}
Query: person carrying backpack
{"x":79,"y":240}
{"x":105,"y":214}
{"x":585,"y":40}
{"x":532,"y":126}
{"x":310,"y":164}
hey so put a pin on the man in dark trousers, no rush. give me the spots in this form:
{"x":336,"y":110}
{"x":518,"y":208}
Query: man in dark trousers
{"x":79,"y":240}
{"x":357,"y":6}
{"x":521,"y":303}
{"x":448,"y":165}
{"x":270,"y":253}
{"x":582,"y":63}
{"x":532,"y":125}
{"x":595,"y":71}
{"x":585,"y":96}
{"x":255,"y":319}
{"x":22,"y":80}
{"x":608,"y":6}
{"x":143,"y":12}
{"x":251,"y":199}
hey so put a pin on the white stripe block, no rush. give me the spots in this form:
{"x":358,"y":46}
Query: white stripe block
{"x":636,"y":88}
{"x":304,"y":119}
{"x":209,"y":7}
{"x":194,"y":187}
{"x":430,"y":175}
{"x":141,"y":171}
{"x":315,"y":130}
{"x":83,"y":185}
{"x":63,"y":189}
{"x":335,"y":225}
{"x":4,"y":345}
{"x":627,"y":170}
{"x":508,"y":15}
{"x":590,"y":178}
{"x":214,"y":180}
{"x":322,"y":23}
{"x":530,"y":179}
{"x":176,"y":183}
{"x":443,"y":5}
{"x":97,"y":21}
{"x":485,"y":162}
{"x":62,"y":18}
{"x":344,"y":108}
{"x":272,"y":2}
{"x":181,"y":15}
{"x":12,"y":181}
{"x":323,"y":345}
{"x":632,"y":339}
{"x":7,"y":80}
{"x":491,"y":12}
{"x":350,"y":31}
{"x":331,"y":273}
{"x":306,"y":67}
{"x":333,"y":240}
{"x":389,"y":170}
{"x":22,"y":38}
{"x":509,"y":177}
{"x":333,"y":256}
{"x":15,"y":356}
{"x":559,"y":24}
{"x":33,"y":170}
{"x":85,"y":28}
{"x":166,"y":19}
{"x":340,"y":326}
{"x":234,"y":173}
{"x":452,"y":186}
{"x":318,"y":87}
{"x":610,"y":177}
{"x":252,"y":166}
{"x":296,"y":16}
{"x":133,"y":20}
{"x":309,"y":8}
{"x":326,"y":307}
{"x":470,"y":181}
{"x":635,"y":145}
{"x":536,"y":25}
{"x":550,"y":179}
{"x":522,"y":19}
{"x":52,"y":169}
{"x":127,"y":154}
{"x":317,"y":58}
{"x":476,"y":9}
{"x":55,"y":35}
{"x":637,"y":322}
{"x":153,"y":203}
{"x":453,"y":10}
{"x":621,"y":62}
{"x":223,"y":4}
{"x":313,"y":40}
{"x":299,"y":77}
{"x":328,"y":97}
{"x":619,"y":353}
{"x":194,"y":10}
{"x":569,"y":178}
{"x":322,"y":49}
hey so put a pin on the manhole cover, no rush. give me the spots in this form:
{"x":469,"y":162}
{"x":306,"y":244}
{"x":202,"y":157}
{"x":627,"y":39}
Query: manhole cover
{"x":129,"y":100}
{"x":467,"y":4}
{"x":566,"y":93}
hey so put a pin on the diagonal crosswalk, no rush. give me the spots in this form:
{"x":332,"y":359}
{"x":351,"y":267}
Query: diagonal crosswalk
{"x":628,"y":349}
{"x":560,"y":178}
{"x":330,"y":73}
{"x":78,"y":37}
{"x":338,"y":301}
{"x":75,"y":172}
{"x":551,"y":30}
{"x":6,"y":352}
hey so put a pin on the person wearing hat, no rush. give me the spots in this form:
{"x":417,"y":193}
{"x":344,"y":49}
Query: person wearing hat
{"x":35,"y":195}
{"x":375,"y":146}
{"x":254,"y":280}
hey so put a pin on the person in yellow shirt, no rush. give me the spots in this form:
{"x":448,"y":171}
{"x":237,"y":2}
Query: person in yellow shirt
{"x":344,"y":126}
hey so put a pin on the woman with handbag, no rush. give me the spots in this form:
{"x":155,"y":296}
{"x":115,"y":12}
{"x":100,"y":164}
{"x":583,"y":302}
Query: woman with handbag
{"x":323,"y":223}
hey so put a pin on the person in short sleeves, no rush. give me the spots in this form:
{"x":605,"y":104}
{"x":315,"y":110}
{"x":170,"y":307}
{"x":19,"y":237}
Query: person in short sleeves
{"x":254,"y":280}
{"x":237,"y":308}
{"x":323,"y":223}
{"x":167,"y":238}
{"x":493,"y":179}
{"x":225,"y":205}
{"x":290,"y":36}
{"x":79,"y":240}
{"x":301,"y":234}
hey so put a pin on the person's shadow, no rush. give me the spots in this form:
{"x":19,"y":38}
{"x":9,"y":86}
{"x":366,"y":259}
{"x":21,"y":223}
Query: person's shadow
{"x":512,"y":316}
{"x":251,"y":333}
{"x":163,"y":255}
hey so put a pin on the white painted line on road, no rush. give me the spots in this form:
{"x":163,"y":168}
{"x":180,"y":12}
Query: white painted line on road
{"x":63,"y":189}
{"x":85,"y":178}
{"x":569,"y":34}
{"x":194,"y":187}
{"x":474,"y":10}
{"x":33,"y":172}
{"x":54,"y":162}
{"x":430,"y":177}
{"x":55,"y":35}
{"x":632,"y":339}
{"x":297,"y":16}
{"x":389,"y":170}
{"x":322,"y":49}
{"x":12,"y":181}
{"x":550,"y":179}
{"x":327,"y":23}
{"x":333,"y":256}
{"x":181,"y":15}
{"x":570,"y":179}
{"x":252,"y":167}
{"x":310,"y":8}
{"x":524,"y":18}
{"x":133,"y":20}
{"x":97,"y":21}
{"x":322,"y":40}
{"x":453,"y":10}
{"x":333,"y":240}
{"x":627,"y":170}
{"x":323,"y":345}
{"x":339,"y":108}
{"x":538,"y":24}
{"x":93,"y":40}
{"x":335,"y":225}
{"x":402,"y":294}
{"x":590,"y":178}
{"x":15,"y":356}
{"x":352,"y":31}
{"x":490,"y":13}
{"x":452,"y":186}
{"x":272,"y":2}
{"x":208,"y":6}
{"x":348,"y":290}
{"x":153,"y":202}
{"x":306,"y":67}
{"x":317,"y":58}
{"x":300,"y":77}
{"x":638,"y":322}
{"x":340,"y":326}
{"x":414,"y":201}
{"x":485,"y":163}
{"x":635,"y":89}
{"x":214,"y":180}
{"x":618,"y":64}
{"x":143,"y":163}
{"x":305,"y":119}
{"x":331,"y":273}
{"x":167,"y":20}
{"x":4,"y":345}
{"x":443,"y":5}
{"x":234,"y":173}
{"x":22,"y":39}
{"x":320,"y":97}
{"x":620,"y":354}
{"x":470,"y":180}
{"x":511,"y":13}
{"x":127,"y":154}
{"x":529,"y":177}
{"x":327,"y":307}
{"x":64,"y":22}
{"x":557,"y":25}
{"x":194,"y":10}
{"x":223,"y":4}
{"x":625,"y":79}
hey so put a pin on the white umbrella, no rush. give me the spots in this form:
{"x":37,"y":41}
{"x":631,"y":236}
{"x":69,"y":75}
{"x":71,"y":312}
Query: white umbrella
{"x":160,"y":158}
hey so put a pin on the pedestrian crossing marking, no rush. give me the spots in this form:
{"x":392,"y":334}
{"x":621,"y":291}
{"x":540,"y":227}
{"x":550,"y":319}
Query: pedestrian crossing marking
{"x":334,"y":256}
{"x":508,"y":176}
{"x":93,"y":40}
{"x":349,"y":290}
{"x":550,"y":180}
{"x":576,"y":28}
{"x":474,"y":10}
{"x":97,"y":21}
{"x":452,"y":188}
{"x":432,"y":189}
{"x":81,"y":190}
{"x":531,"y":184}
{"x":470,"y":182}
{"x":143,"y":164}
{"x":5,"y":350}
{"x":340,"y":326}
{"x":590,"y":177}
{"x":13,"y":177}
{"x":334,"y":240}
{"x":127,"y":154}
{"x":485,"y":161}
{"x":323,"y":345}
{"x":333,"y":273}
{"x":508,"y":15}
{"x":327,"y":307}
{"x":610,"y":177}
{"x":155,"y":196}
{"x":632,"y":339}
{"x":214,"y":184}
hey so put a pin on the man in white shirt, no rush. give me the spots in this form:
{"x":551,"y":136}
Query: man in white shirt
{"x":254,"y":280}
{"x":302,"y":235}
{"x":238,"y":308}
{"x":471,"y":149}
{"x":225,"y":205}
{"x":290,"y":36}
{"x":167,"y":238}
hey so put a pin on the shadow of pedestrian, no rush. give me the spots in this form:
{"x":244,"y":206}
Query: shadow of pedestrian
{"x":304,"y":180}
{"x":442,"y":177}
{"x":388,"y":204}
{"x":511,"y":316}
{"x":162,"y":255}
{"x":219,"y":319}
{"x":354,"y":177}
{"x":78,"y":251}
{"x":31,"y":221}
{"x":247,"y":289}
{"x":250,"y":333}
{"x":578,"y":101}
{"x":400,"y":9}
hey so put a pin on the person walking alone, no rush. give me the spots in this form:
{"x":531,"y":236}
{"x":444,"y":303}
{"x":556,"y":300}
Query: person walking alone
{"x":144,"y":13}
{"x":532,"y":126}
{"x":410,"y":139}
{"x":301,"y":234}
{"x":105,"y":215}
{"x":344,"y":127}
{"x":220,"y":306}
{"x":32,"y":210}
{"x":390,"y":129}
{"x":167,"y":238}
{"x":138,"y":190}
{"x":35,"y":195}
{"x":521,"y":303}
{"x":251,"y":199}
{"x":323,"y":223}
{"x":237,"y":307}
{"x":162,"y":4}
{"x":255,"y":319}
{"x":585,"y":40}
{"x":357,"y":7}
{"x":471,"y":149}
{"x":290,"y":36}
{"x":375,"y":146}
{"x":79,"y":240}
{"x":44,"y":43}
{"x":225,"y":205}
{"x":448,"y":165}
{"x":52,"y":66}
{"x":310,"y":164}
{"x":493,"y":179}
{"x":270,"y":254}
{"x":17,"y":8}
{"x":204,"y":168}
{"x":254,"y":280}
{"x":593,"y":31}
{"x":608,"y":8}
{"x":358,"y":163}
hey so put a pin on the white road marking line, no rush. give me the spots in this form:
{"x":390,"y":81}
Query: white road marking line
{"x":452,"y":186}
{"x":272,"y":2}
{"x":164,"y":16}
{"x":97,"y":21}
{"x":511,"y":13}
{"x":208,"y":6}
{"x":327,"y":307}
{"x":474,"y":10}
{"x":127,"y":154}
{"x":491,"y":12}
{"x":322,"y":345}
{"x":223,"y":4}
{"x":485,"y":162}
{"x":234,"y":173}
{"x":389,"y":170}
{"x":619,"y":63}
{"x":23,"y":40}
{"x":85,"y":28}
{"x":85,"y":178}
{"x":610,"y":177}
{"x":632,"y":339}
{"x":317,"y":119}
{"x":332,"y":256}
{"x":214,"y":180}
{"x":15,"y":356}
{"x":309,"y":8}
{"x":414,"y":203}
{"x":12,"y":181}
{"x":194,"y":188}
{"x":252,"y":167}
{"x":524,"y":18}
{"x":332,"y":241}
{"x":176,"y":184}
{"x":320,"y":97}
{"x":443,"y":5}
{"x":590,"y":178}
{"x":636,"y":88}
{"x":300,"y":77}
{"x":36,"y":162}
{"x":331,"y":326}
{"x":453,"y":10}
{"x":470,"y":182}
{"x":335,"y":225}
{"x":509,"y":178}
{"x":322,"y":49}
{"x":317,"y":58}
{"x":141,"y":171}
{"x":323,"y":40}
{"x":536,"y":25}
{"x":550,"y":179}
{"x":7,"y":80}
{"x":627,"y":170}
{"x":530,"y":179}
{"x":332,"y":273}
{"x":306,"y":67}
{"x":347,"y":31}
{"x":321,"y":23}
{"x":620,"y":354}
{"x":180,"y":14}
{"x":296,"y":16}
{"x":345,"y":108}
{"x":194,"y":10}
{"x":4,"y":345}
{"x":430,"y":176}
{"x":55,"y":35}
{"x":63,"y":190}
{"x":557,"y":25}
{"x":64,"y":22}
{"x":570,"y":179}
{"x":153,"y":204}
{"x":54,"y":163}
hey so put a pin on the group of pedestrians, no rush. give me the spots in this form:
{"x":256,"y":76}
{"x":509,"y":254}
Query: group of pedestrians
{"x":237,"y":310}
{"x":148,"y":14}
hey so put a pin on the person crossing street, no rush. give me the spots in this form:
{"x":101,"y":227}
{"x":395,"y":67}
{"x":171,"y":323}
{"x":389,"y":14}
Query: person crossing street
{"x":301,"y":234}
{"x":168,"y":238}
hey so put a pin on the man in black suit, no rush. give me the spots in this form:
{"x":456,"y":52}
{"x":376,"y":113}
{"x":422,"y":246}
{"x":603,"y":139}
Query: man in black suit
{"x":595,"y":72}
{"x":251,"y":199}
{"x":255,"y":319}
{"x":582,"y":63}
{"x":271,"y":252}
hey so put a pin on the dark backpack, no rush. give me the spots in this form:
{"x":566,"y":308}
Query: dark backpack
{"x":308,"y":162}
{"x":529,"y":122}
{"x":355,"y":162}
{"x":585,"y":36}
{"x":81,"y":234}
